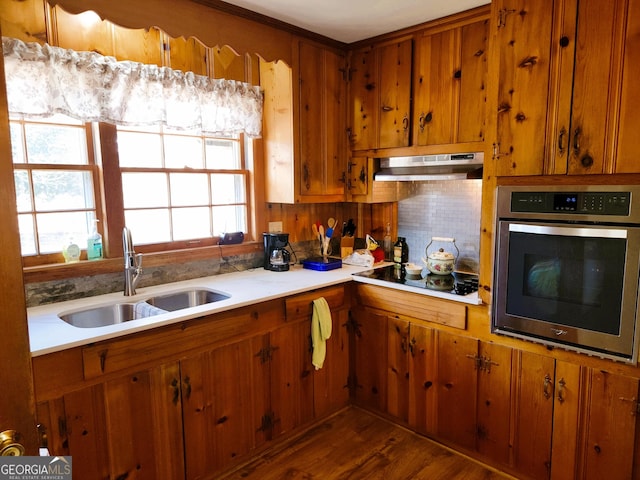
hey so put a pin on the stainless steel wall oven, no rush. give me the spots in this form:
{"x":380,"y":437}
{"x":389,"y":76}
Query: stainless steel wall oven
{"x":566,"y":267}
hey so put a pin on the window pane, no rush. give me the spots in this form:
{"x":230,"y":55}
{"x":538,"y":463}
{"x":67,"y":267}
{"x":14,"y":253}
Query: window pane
{"x":17,"y":150}
{"x":189,"y":189}
{"x":191,"y":223}
{"x":23,"y":191}
{"x":56,"y":144}
{"x":27,"y":235}
{"x":142,"y":150}
{"x":142,"y":190}
{"x":148,"y":226}
{"x":182,"y":152}
{"x":56,"y":230}
{"x":222,"y":154}
{"x":62,"y":190}
{"x":229,"y":219}
{"x":227,"y":188}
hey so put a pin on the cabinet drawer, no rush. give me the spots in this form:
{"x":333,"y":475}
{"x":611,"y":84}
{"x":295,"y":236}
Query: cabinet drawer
{"x":301,"y":305}
{"x":414,"y":305}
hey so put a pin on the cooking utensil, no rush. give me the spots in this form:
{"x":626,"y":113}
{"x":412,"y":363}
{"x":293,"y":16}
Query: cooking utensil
{"x":441,"y":262}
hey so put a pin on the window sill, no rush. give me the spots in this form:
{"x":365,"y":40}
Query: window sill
{"x":60,"y":271}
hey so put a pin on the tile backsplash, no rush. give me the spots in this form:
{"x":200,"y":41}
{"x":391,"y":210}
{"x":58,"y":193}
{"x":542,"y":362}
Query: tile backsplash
{"x":441,"y":208}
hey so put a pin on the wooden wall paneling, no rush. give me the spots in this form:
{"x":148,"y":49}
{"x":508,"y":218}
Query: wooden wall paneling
{"x":83,"y":32}
{"x":142,"y":45}
{"x":23,"y":20}
{"x":187,"y":54}
{"x":190,"y":19}
{"x":227,"y":63}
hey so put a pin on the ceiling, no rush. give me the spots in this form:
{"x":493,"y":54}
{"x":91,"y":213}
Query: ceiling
{"x":351,"y":20}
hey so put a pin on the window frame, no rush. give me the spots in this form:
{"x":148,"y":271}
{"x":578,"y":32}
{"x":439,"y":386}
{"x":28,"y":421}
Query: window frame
{"x":103,"y":158}
{"x":92,"y":167}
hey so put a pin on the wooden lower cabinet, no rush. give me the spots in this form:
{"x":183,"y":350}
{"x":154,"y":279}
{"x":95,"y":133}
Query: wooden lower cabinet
{"x":474,"y":395}
{"x":127,"y":427}
{"x":536,"y":416}
{"x":572,"y":421}
{"x":368,"y":377}
{"x":202,"y":408}
{"x":224,"y":395}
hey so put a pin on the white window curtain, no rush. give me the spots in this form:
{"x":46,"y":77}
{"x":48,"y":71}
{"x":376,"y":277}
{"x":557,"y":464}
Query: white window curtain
{"x":43,"y":80}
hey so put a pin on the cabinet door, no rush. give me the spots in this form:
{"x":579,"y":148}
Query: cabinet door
{"x":330,"y":383}
{"x":525,"y":55}
{"x":395,"y":93}
{"x":219,"y":396}
{"x":291,"y":376}
{"x":596,"y":85}
{"x":533,"y":413}
{"x":370,"y":359}
{"x":457,"y":389}
{"x":437,"y":87}
{"x":126,"y":427}
{"x":422,"y":379}
{"x":322,"y":95}
{"x":398,"y":369}
{"x":611,"y":426}
{"x":364,"y":99}
{"x":494,"y":402}
{"x":626,"y":159}
{"x":566,"y":412}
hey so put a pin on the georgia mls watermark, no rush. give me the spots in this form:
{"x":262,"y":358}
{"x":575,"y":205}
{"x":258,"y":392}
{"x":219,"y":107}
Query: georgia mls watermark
{"x":35,"y":468}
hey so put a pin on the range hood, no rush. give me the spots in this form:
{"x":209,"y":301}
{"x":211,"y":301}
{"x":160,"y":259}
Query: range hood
{"x":453,"y":166}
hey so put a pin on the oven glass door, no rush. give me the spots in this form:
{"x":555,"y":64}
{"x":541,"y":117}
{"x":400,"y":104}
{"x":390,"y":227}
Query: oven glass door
{"x":568,"y":276}
{"x":572,"y":284}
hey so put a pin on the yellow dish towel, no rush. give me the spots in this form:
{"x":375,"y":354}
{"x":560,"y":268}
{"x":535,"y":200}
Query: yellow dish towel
{"x":320,"y":331}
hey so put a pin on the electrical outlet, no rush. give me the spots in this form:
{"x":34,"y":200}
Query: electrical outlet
{"x":275,"y":227}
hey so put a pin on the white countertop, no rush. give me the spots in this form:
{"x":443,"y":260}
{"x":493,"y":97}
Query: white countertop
{"x":48,"y":333}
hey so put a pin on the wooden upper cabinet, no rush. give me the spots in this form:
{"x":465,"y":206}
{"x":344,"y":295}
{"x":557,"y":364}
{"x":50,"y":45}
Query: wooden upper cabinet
{"x":395,"y":93}
{"x":304,"y":126}
{"x":363,"y":99}
{"x":380,"y":95}
{"x":564,"y":97}
{"x":450,"y":85}
{"x":322,"y":135}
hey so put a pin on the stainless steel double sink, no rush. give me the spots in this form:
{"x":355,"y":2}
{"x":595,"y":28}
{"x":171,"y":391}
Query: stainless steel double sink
{"x":123,"y":312}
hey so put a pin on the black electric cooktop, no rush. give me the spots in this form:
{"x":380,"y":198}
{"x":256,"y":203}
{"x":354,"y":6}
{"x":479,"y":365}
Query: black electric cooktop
{"x":457,"y":283}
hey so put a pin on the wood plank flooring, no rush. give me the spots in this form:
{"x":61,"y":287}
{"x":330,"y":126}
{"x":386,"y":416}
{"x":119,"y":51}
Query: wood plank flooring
{"x":355,"y":444}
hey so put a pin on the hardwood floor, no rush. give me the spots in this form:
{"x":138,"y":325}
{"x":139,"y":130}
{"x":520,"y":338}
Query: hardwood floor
{"x":355,"y":444}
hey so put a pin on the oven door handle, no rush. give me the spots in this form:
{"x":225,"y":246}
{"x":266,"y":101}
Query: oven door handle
{"x":609,"y":232}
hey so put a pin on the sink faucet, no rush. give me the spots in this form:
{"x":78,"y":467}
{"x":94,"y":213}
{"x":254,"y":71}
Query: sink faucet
{"x":132,"y":264}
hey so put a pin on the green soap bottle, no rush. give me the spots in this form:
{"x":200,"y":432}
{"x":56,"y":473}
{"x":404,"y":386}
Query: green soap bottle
{"x":94,"y":244}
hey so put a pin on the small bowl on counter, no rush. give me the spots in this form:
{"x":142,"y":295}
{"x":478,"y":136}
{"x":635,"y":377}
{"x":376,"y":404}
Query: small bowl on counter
{"x":413,"y":269}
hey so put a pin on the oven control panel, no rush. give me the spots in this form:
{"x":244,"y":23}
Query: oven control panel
{"x":586,"y":203}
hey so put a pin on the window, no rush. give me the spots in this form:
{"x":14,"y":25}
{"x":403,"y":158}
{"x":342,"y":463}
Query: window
{"x":181,"y":187}
{"x":178,"y":189}
{"x":54,"y":174}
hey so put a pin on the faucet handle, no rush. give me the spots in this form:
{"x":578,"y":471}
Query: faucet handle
{"x":138,"y":261}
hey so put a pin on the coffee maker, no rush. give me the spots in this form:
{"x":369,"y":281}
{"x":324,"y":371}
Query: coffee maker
{"x":276,"y":256}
